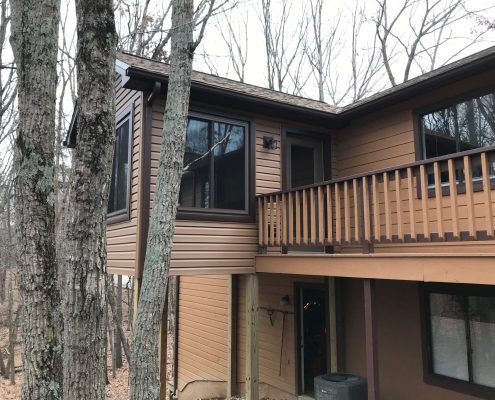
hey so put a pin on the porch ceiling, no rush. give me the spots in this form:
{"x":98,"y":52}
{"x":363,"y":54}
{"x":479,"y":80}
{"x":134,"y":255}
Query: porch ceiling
{"x":459,"y":268}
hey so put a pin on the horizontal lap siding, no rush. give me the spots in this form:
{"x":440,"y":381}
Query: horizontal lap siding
{"x":271,"y":289}
{"x":202,"y":328}
{"x":386,"y":139}
{"x":122,"y":236}
{"x":210,"y":247}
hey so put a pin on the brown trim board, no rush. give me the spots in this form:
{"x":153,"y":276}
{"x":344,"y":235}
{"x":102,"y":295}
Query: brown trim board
{"x":145,"y":183}
{"x":465,"y":268}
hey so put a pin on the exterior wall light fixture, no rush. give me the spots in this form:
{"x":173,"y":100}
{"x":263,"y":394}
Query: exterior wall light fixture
{"x":284,"y":301}
{"x":270,"y":143}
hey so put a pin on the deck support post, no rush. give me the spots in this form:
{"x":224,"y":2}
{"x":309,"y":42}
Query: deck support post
{"x":232,"y":338}
{"x":332,"y":303}
{"x":371,"y":340}
{"x":252,"y":378}
{"x":162,"y":350}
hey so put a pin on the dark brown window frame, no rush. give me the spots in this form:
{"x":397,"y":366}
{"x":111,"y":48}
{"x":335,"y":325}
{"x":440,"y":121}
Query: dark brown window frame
{"x":418,"y":136}
{"x":124,"y":214}
{"x":429,"y":376}
{"x":224,"y":215}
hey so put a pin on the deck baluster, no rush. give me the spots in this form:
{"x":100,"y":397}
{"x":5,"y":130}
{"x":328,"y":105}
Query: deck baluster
{"x":487,"y":190}
{"x":439,"y":201}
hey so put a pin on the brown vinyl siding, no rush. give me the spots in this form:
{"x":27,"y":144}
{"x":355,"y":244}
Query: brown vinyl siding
{"x":204,"y":247}
{"x":385,"y":139}
{"x":268,"y":162}
{"x":271,"y":289}
{"x":122,"y":236}
{"x":399,"y":340}
{"x":202,"y":328}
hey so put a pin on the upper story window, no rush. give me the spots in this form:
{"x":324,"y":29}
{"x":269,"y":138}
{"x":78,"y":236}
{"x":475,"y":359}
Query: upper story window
{"x":216,"y":165}
{"x":460,"y":323}
{"x":457,"y":127}
{"x":118,"y":201}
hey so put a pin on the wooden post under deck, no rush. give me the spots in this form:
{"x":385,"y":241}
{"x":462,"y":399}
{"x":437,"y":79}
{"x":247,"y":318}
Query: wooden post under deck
{"x":252,"y":378}
{"x":232,"y":338}
{"x":162,"y":351}
{"x":371,"y":340}
{"x":333,"y":325}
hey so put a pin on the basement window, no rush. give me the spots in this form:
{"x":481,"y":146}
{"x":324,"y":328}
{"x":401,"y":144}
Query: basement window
{"x":118,"y":201}
{"x":215,"y":177}
{"x":460,"y":337}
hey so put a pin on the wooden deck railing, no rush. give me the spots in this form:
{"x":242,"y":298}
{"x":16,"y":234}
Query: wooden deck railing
{"x":408,"y":203}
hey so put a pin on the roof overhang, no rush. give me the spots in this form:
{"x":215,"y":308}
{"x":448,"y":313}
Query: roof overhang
{"x":143,"y":80}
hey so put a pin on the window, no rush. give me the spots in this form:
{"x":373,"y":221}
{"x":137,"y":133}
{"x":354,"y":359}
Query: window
{"x":216,"y":166}
{"x":118,"y":201}
{"x":460,"y":324}
{"x":458,"y":127}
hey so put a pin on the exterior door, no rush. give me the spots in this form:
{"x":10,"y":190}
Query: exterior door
{"x":303,"y":166}
{"x":303,"y":161}
{"x":312,"y":323}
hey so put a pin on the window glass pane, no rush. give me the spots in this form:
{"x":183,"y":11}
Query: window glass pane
{"x":439,"y":132}
{"x":476,"y":119}
{"x":120,"y":170}
{"x":482,"y":325}
{"x":448,"y":336}
{"x":229,"y":166}
{"x":194,"y":187}
{"x":302,"y":166}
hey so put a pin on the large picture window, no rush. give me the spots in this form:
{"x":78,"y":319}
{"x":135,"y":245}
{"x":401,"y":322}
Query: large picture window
{"x":460,"y":323}
{"x":215,"y":162}
{"x":458,"y":127}
{"x":118,"y":201}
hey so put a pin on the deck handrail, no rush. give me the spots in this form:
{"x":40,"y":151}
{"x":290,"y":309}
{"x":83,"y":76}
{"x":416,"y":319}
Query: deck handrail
{"x":404,"y":203}
{"x":461,"y":154}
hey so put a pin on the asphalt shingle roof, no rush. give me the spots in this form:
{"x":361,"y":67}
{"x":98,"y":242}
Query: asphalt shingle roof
{"x":279,"y":97}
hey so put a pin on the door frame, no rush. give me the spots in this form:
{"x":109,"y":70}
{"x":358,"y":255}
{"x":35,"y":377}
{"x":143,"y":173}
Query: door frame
{"x":302,"y":133}
{"x":297,"y":327}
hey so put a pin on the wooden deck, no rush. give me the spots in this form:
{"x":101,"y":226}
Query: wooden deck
{"x":411,"y":203}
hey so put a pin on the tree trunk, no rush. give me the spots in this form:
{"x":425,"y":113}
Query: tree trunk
{"x":2,"y":364}
{"x":118,"y":323}
{"x":112,"y":348}
{"x":83,"y":230}
{"x":3,"y":277}
{"x":12,"y":335}
{"x":35,"y":44}
{"x":130,"y":303}
{"x":120,"y":338}
{"x":144,"y":374}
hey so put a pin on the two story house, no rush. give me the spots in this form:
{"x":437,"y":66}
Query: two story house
{"x":320,"y":239}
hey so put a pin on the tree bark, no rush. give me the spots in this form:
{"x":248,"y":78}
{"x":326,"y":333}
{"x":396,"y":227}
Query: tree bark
{"x":144,"y":374}
{"x":35,"y":43}
{"x":83,"y":230}
{"x":118,"y":323}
